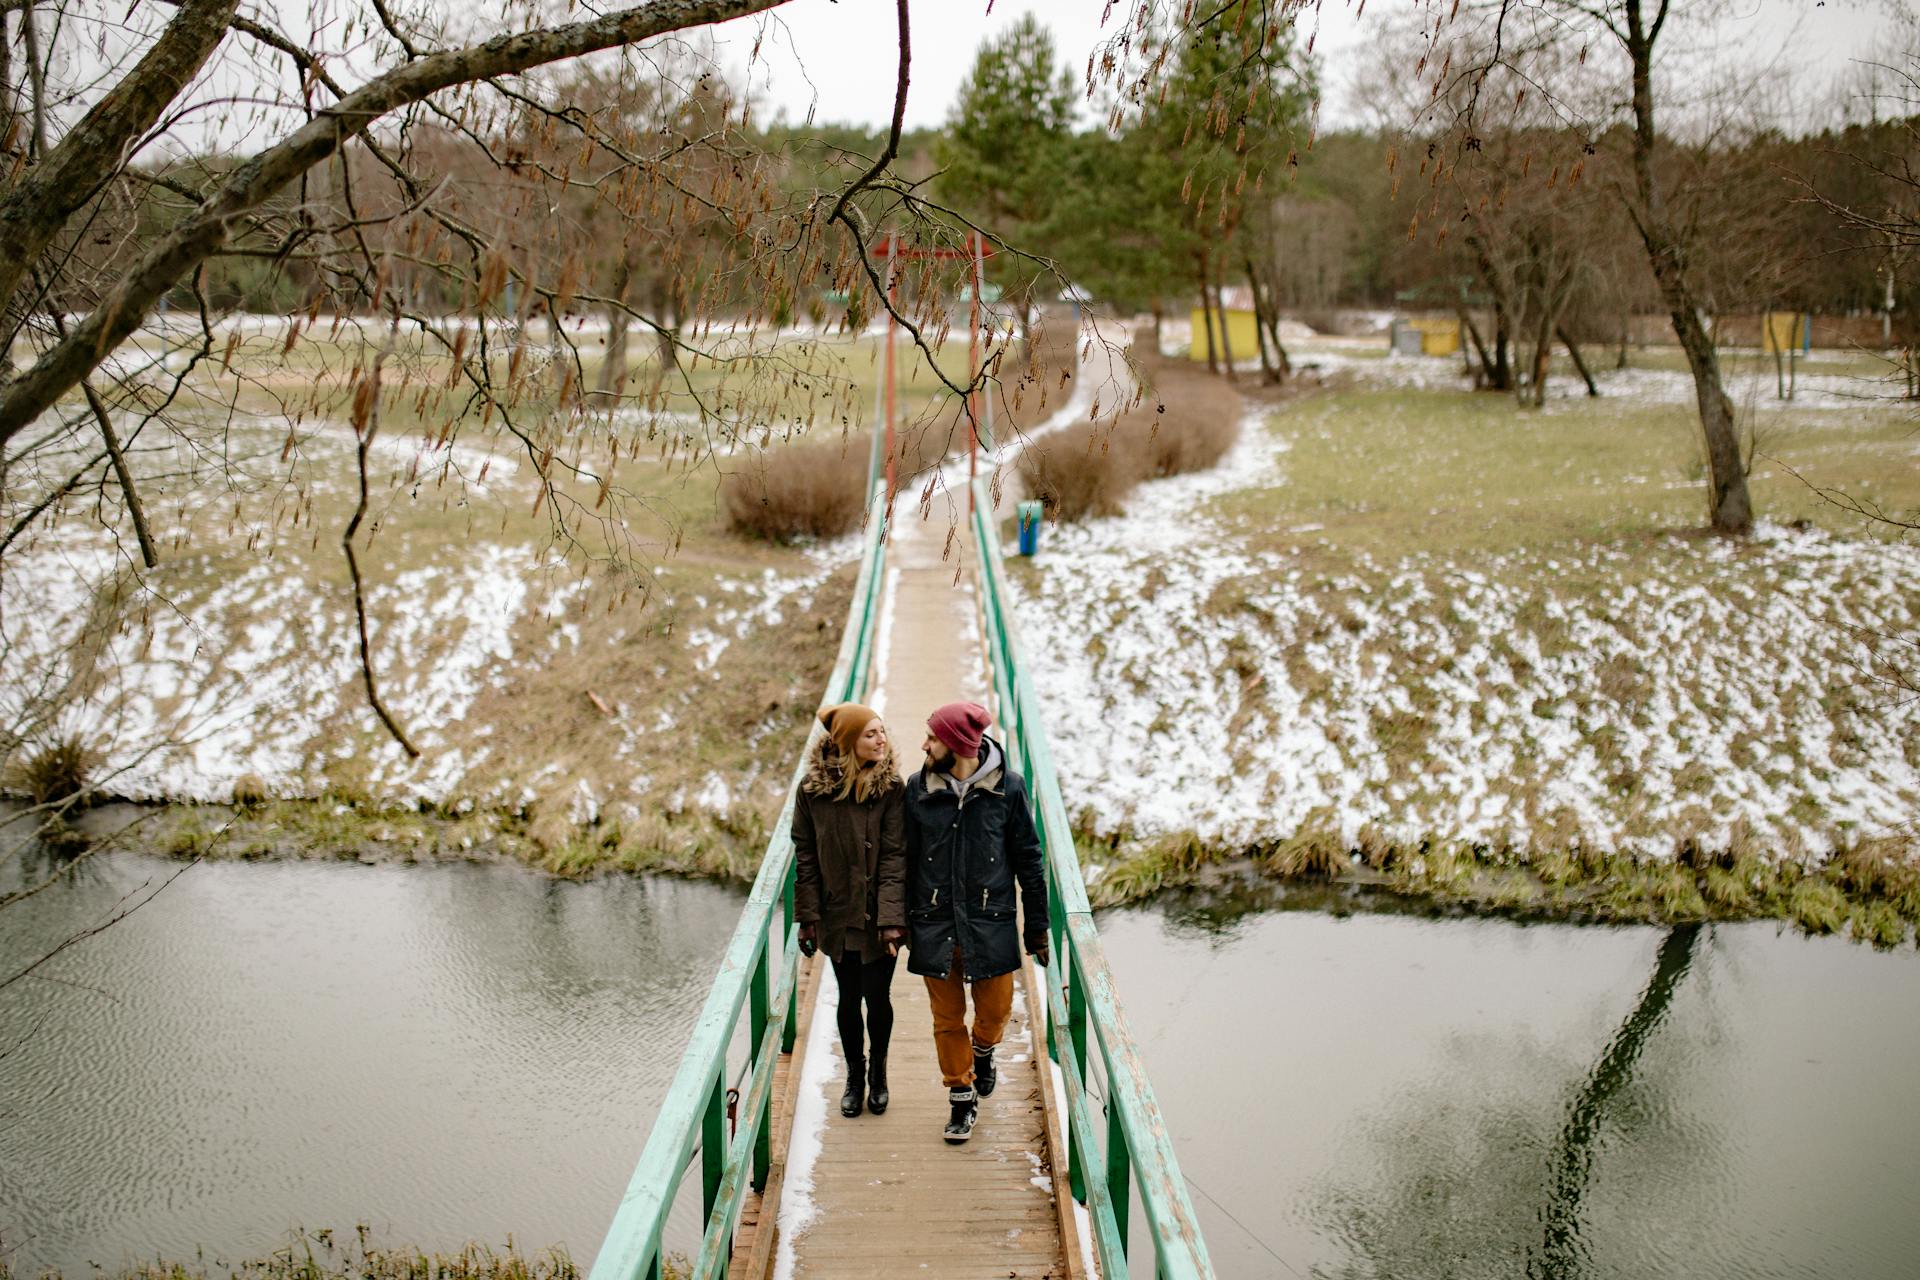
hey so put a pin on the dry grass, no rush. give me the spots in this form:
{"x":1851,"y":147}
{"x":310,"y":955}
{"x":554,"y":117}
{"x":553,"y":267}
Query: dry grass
{"x":55,"y":773}
{"x":318,"y":1255}
{"x":1186,"y":424}
{"x":798,"y":492}
{"x":1198,"y":419}
{"x":1871,"y":895}
{"x":1087,"y":482}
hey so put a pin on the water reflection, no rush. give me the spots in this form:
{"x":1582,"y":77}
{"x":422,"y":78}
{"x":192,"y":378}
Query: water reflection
{"x":1479,"y":1176}
{"x":1403,"y":1097}
{"x":1562,"y":1251}
{"x":448,"y":1053}
{"x":1238,"y":897}
{"x":457,"y":1053}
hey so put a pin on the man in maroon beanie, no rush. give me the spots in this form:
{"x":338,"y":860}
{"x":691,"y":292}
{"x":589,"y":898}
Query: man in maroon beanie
{"x":970,"y":838}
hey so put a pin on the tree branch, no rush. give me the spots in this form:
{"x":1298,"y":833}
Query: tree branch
{"x":366,"y":420}
{"x":68,"y":176}
{"x":205,"y":231}
{"x":127,"y":490}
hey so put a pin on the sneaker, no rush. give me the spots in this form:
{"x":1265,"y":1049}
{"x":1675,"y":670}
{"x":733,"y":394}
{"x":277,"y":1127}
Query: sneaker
{"x":966,"y":1108}
{"x":985,"y":1077}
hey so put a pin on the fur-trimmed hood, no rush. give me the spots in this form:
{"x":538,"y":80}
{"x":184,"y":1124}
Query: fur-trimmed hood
{"x":823,"y":770}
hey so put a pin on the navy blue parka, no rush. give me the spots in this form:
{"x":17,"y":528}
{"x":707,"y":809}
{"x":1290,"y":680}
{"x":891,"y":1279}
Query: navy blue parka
{"x":965,"y":853}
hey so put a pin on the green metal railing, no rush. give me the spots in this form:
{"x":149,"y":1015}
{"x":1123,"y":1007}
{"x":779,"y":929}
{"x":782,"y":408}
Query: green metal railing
{"x":695,"y":1113}
{"x":1130,"y":1151}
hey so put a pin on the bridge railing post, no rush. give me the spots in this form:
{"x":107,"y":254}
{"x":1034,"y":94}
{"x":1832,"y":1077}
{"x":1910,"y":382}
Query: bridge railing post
{"x":760,"y":1000}
{"x":790,"y":974}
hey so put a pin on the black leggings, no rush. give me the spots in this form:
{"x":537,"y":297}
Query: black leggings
{"x":869,"y":980}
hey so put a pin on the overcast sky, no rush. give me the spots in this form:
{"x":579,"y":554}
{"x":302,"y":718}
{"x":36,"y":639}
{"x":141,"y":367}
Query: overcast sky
{"x":838,"y":60}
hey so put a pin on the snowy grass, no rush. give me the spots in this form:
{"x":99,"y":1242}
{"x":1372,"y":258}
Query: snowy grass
{"x":569,"y":714}
{"x":590,"y":718}
{"x":1410,"y":620}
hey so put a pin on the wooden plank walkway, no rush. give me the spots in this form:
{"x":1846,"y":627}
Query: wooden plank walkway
{"x":886,"y":1195}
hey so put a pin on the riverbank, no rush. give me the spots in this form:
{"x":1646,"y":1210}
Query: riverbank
{"x":1869,"y":892}
{"x":331,"y":1255}
{"x":725,"y":847}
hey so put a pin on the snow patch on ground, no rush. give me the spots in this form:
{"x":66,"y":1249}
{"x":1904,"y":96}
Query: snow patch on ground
{"x":1195,"y":683}
{"x":818,"y":1066}
{"x":1749,"y":386}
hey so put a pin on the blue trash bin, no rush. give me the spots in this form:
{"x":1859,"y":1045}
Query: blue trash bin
{"x":1029,"y":517}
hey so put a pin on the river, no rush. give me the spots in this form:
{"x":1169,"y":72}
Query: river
{"x":466,"y":1052}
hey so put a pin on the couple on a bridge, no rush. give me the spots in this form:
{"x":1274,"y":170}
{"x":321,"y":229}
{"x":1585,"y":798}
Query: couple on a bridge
{"x":930,"y":865}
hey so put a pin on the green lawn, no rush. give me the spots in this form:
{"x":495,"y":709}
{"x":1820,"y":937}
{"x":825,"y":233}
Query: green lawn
{"x":1396,"y":472}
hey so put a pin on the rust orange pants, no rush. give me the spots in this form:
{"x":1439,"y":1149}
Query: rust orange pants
{"x":953,"y":1040}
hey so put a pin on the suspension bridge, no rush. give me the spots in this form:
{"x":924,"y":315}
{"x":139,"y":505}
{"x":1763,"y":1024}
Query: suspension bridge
{"x":1070,"y":1171}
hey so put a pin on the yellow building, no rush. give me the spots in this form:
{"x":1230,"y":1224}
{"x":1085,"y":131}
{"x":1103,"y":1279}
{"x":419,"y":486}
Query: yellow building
{"x":1243,"y":335}
{"x":1426,"y":335}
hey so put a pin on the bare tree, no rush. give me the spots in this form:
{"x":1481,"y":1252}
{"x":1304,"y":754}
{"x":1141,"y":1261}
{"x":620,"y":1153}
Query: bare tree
{"x":1593,"y":65}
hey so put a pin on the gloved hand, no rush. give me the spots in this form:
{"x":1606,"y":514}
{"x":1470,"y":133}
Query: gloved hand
{"x":1042,"y":953}
{"x":809,"y":938}
{"x":895,"y":937}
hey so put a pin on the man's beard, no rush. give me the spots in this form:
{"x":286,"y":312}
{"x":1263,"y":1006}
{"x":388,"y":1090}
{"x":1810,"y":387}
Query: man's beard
{"x":943,"y":764}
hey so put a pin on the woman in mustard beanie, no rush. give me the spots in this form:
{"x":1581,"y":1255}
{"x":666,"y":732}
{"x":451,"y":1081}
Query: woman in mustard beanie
{"x":850,"y":885}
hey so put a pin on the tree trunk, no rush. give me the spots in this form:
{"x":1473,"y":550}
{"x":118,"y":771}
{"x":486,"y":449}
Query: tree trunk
{"x":1542,"y":356}
{"x":1579,"y":361}
{"x":36,"y":79}
{"x":1485,"y":373}
{"x":1206,"y":316}
{"x":1268,"y":373}
{"x":7,"y":97}
{"x":612,"y":381}
{"x":1499,"y":372}
{"x":665,"y":335}
{"x":1266,"y":313}
{"x":1226,"y":340}
{"x":1729,"y":508}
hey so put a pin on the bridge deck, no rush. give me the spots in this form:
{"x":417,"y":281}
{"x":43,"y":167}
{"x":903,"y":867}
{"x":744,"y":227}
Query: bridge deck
{"x":886,"y":1195}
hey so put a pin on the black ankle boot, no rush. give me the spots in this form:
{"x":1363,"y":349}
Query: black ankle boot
{"x":966,"y":1109}
{"x":856,"y":1087}
{"x":877,"y":1098}
{"x":985,"y":1075}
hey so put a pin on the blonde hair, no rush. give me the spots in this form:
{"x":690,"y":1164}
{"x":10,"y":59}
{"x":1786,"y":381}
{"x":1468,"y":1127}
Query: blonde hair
{"x":862,"y":782}
{"x":840,"y":777}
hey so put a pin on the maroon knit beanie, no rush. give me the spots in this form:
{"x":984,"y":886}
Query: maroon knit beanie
{"x":845,"y":723}
{"x":960,"y":725}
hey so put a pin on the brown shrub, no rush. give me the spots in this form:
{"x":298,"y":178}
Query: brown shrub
{"x":1080,"y":478}
{"x":1198,"y":422}
{"x":1187,"y":423}
{"x":55,"y":773}
{"x":799,"y":491}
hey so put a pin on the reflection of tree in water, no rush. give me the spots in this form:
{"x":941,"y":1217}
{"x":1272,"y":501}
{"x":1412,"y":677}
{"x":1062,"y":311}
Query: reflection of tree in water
{"x":1486,"y":1173}
{"x":1563,"y":1251}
